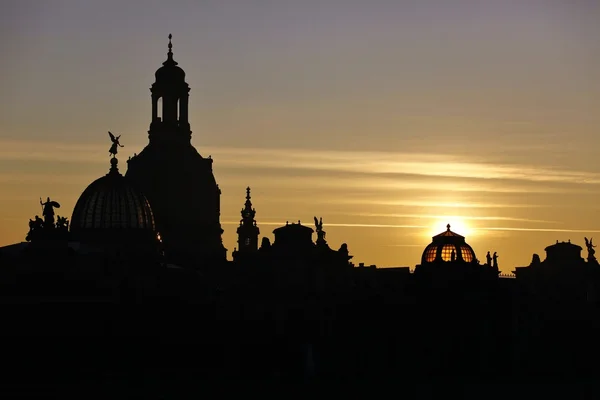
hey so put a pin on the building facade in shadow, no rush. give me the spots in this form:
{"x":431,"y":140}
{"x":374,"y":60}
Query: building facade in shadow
{"x":292,"y":309}
{"x":177,"y":180}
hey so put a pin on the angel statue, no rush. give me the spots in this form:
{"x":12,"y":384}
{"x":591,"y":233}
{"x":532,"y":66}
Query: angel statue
{"x":320,"y":231}
{"x":319,"y":224}
{"x":115,"y":144}
{"x":590,"y":248}
{"x":48,"y":211}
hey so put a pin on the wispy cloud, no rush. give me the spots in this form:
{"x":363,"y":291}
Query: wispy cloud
{"x":536,"y":230}
{"x":424,"y":227}
{"x":441,"y":204}
{"x":374,"y":182}
{"x":75,"y":178}
{"x":340,"y":225}
{"x":436,"y":165}
{"x":404,"y":245}
{"x":457,"y":217}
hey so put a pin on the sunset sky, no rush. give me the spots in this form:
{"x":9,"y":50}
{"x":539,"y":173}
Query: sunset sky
{"x":388,"y":119}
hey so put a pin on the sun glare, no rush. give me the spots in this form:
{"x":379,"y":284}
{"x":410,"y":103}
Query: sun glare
{"x":457,"y":225}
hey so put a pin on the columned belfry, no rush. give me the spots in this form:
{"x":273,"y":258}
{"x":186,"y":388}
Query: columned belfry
{"x":170,"y":94}
{"x":248,"y":230}
{"x":178,"y":182}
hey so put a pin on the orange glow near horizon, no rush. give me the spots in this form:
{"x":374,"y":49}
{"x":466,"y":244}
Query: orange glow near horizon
{"x":457,"y":225}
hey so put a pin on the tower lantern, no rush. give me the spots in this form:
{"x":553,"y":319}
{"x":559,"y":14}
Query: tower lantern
{"x":170,"y":94}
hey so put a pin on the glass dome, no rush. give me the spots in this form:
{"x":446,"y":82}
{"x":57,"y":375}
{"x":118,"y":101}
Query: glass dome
{"x":112,"y":203}
{"x":448,"y":246}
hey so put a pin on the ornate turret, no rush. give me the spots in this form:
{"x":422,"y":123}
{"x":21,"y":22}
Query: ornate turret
{"x":177,"y":180}
{"x":248,"y":230}
{"x":170,"y":102}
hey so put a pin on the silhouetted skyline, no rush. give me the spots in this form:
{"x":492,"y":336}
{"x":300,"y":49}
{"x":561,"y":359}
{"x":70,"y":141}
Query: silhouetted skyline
{"x":390,"y":121}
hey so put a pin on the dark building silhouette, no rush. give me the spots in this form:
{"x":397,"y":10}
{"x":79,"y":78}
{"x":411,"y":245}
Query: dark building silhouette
{"x":294,"y":310}
{"x":177,"y":180}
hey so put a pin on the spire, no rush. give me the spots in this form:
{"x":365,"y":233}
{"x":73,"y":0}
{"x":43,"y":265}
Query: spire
{"x":248,"y":230}
{"x":170,"y":60}
{"x":448,"y":226}
{"x":248,"y":202}
{"x":248,"y":212}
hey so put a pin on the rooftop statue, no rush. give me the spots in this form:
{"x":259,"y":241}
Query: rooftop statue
{"x":319,"y":224}
{"x":62,"y":223}
{"x":115,"y":144}
{"x":46,"y":228}
{"x":344,"y":249}
{"x":48,"y":212}
{"x":590,"y":248}
{"x":35,"y":228}
{"x":320,"y":231}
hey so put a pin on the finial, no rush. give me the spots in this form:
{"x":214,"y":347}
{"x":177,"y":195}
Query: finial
{"x":448,"y":226}
{"x":170,"y":60}
{"x":114,"y":169}
{"x":248,"y":193}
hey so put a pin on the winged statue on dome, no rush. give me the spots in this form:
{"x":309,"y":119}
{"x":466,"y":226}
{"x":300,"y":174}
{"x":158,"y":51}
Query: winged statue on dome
{"x":115,"y":144}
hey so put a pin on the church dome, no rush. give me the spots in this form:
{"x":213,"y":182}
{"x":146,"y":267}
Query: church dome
{"x":448,"y":246}
{"x":111,"y":204}
{"x":170,"y":72}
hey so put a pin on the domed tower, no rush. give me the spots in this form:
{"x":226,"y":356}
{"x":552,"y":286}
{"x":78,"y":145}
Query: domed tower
{"x":248,"y":230}
{"x":449,"y":254}
{"x":177,"y":180}
{"x":111,"y":212}
{"x":448,"y":246}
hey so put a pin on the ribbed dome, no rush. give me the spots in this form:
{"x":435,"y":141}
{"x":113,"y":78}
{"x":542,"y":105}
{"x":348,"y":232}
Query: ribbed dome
{"x":448,"y":246}
{"x":111,"y":203}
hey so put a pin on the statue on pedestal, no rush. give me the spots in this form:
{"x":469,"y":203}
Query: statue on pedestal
{"x":591,"y":252}
{"x":320,"y":231}
{"x":48,"y":212}
{"x":47,"y":228}
{"x":115,"y":144}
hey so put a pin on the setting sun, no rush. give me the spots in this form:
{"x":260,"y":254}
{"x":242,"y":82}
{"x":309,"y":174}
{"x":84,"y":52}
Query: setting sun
{"x":457,"y":225}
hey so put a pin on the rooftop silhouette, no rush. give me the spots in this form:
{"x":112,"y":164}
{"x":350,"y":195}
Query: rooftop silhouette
{"x":296,"y":309}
